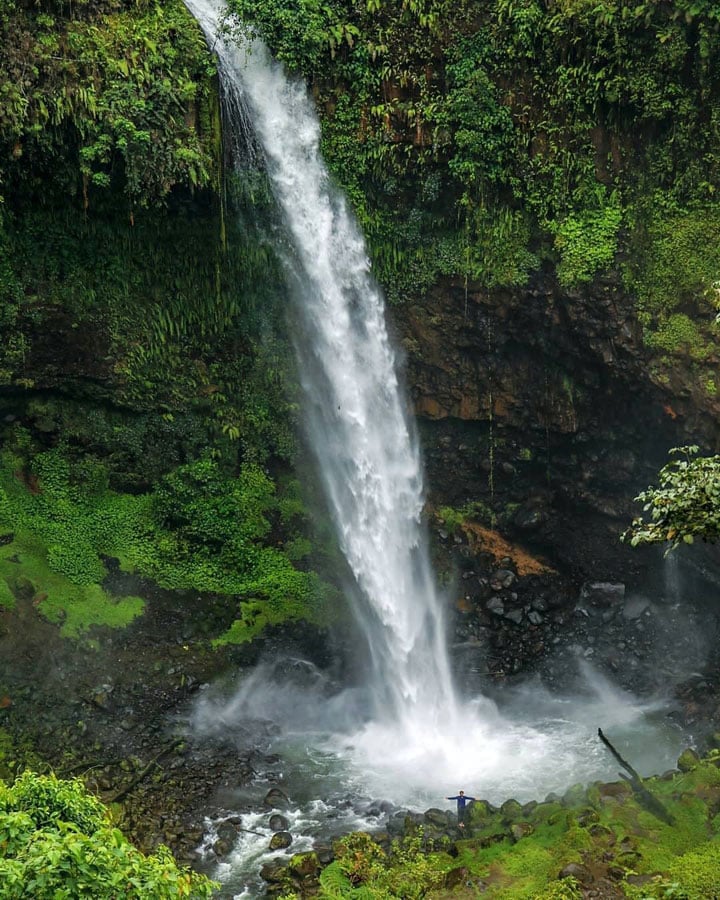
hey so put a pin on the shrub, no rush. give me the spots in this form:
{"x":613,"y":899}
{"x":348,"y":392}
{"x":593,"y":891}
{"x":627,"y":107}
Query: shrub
{"x":57,"y":842}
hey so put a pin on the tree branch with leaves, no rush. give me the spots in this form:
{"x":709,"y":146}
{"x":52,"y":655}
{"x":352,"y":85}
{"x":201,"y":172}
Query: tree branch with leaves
{"x":684,"y":506}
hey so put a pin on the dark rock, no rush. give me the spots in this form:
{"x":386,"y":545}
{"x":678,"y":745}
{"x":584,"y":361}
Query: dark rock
{"x":502,"y":579}
{"x":274,"y":872}
{"x":324,"y":853}
{"x":304,"y":865}
{"x":396,"y":823}
{"x":577,"y":871}
{"x":227,"y":832}
{"x":278,"y":822}
{"x":437,"y":817}
{"x":276,"y":799}
{"x":280,"y":840}
{"x":602,"y":593}
{"x":520,"y":830}
{"x":495,"y":605}
{"x":221,"y":848}
{"x":456,"y":877}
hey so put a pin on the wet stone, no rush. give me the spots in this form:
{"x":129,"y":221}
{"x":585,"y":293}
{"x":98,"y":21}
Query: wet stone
{"x":577,"y":871}
{"x":436,"y":817}
{"x":276,"y":799}
{"x":273,"y":872}
{"x":687,"y":760}
{"x":278,"y":822}
{"x":602,"y":593}
{"x":495,"y":605}
{"x":280,"y":840}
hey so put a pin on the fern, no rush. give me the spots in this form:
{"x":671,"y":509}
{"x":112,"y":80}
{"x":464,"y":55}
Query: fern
{"x":334,"y":884}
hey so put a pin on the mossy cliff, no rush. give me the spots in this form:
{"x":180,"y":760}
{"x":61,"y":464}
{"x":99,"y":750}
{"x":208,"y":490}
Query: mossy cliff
{"x":537,"y":183}
{"x":146,"y":388}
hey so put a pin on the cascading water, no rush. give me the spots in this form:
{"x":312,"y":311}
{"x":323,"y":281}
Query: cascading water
{"x":367,"y":456}
{"x":420,"y":741}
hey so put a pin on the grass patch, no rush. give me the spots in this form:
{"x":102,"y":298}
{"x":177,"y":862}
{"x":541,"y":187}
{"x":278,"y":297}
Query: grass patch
{"x":7,"y":598}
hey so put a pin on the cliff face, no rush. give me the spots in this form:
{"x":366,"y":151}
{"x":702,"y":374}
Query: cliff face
{"x":545,"y":405}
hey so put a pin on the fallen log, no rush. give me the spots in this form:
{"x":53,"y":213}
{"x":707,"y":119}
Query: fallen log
{"x":643,"y":795}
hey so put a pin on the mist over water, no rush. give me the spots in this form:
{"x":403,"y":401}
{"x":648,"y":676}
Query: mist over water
{"x":403,"y":736}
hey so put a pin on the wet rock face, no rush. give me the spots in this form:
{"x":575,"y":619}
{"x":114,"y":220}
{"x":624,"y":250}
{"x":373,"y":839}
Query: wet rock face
{"x":653,"y":641}
{"x":544,"y":406}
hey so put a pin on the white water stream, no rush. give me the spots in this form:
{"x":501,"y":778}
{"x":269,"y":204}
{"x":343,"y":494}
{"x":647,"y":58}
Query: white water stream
{"x":356,"y":417}
{"x":408,"y":738}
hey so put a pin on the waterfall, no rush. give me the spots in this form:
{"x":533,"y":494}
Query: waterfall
{"x":421,"y":743}
{"x":355,"y":412}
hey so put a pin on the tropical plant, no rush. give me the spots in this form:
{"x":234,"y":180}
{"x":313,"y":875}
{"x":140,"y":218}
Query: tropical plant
{"x":685,"y":505}
{"x":58,"y":841}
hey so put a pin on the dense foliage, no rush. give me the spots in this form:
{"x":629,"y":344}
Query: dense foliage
{"x":200,"y":528}
{"x":685,"y":505}
{"x":143,"y":360}
{"x":102,"y":91}
{"x":487,"y":140}
{"x":57,"y":840}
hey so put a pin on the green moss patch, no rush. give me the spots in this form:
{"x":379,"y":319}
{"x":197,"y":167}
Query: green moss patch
{"x":199,"y":529}
{"x":75,"y":607}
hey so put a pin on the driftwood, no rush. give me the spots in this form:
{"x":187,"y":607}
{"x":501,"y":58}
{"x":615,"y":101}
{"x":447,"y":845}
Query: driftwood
{"x":643,"y":795}
{"x":144,"y":772}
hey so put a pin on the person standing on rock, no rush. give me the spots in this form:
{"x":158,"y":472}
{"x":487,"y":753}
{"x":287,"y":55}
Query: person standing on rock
{"x":462,"y":801}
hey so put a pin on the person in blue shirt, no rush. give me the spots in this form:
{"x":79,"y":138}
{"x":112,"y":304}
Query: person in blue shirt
{"x":462,"y":801}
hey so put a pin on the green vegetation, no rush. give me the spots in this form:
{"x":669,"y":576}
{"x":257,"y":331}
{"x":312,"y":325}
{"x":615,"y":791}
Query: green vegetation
{"x":475,"y":510}
{"x":483,"y":142}
{"x":684,"y":506}
{"x":142,"y":336}
{"x":92,"y":94}
{"x":57,"y":840}
{"x":200,"y":528}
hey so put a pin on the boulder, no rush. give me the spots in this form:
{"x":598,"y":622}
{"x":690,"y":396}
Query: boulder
{"x":602,"y":593}
{"x":578,"y":871}
{"x":519,"y":830}
{"x":510,"y":810}
{"x":278,"y":822}
{"x":457,"y":877}
{"x":280,"y":840}
{"x":276,"y":799}
{"x":304,"y":865}
{"x":437,"y":817}
{"x":274,"y":872}
{"x":687,"y":760}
